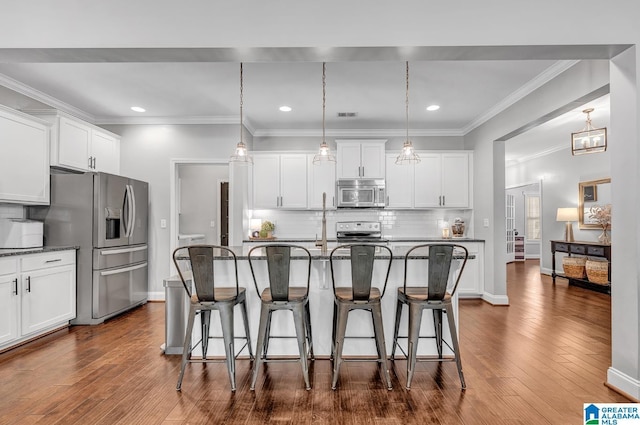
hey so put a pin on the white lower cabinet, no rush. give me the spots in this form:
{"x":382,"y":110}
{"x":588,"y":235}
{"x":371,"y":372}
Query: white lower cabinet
{"x":471,"y":282}
{"x":40,"y":295}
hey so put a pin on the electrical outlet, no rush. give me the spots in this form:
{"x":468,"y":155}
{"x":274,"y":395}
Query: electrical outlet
{"x":485,"y":222}
{"x":163,"y":223}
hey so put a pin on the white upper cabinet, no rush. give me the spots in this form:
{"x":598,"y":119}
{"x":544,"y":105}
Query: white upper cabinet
{"x":439,"y":180}
{"x":24,"y":163}
{"x":78,"y":145}
{"x":279,"y":181}
{"x":362,"y":158}
{"x":322,"y":179}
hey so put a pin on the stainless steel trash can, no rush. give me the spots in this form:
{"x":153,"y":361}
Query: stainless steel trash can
{"x":176,"y":314}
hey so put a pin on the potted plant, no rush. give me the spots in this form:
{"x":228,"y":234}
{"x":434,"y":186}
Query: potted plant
{"x":267,"y":229}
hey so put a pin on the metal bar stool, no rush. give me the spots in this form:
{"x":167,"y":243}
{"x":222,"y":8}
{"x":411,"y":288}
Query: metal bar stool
{"x":360,"y":295}
{"x":433,"y":296}
{"x":196,"y":262}
{"x":280,"y":295}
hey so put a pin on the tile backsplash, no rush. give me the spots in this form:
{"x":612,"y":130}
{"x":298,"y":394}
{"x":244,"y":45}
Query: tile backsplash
{"x":395,"y":223}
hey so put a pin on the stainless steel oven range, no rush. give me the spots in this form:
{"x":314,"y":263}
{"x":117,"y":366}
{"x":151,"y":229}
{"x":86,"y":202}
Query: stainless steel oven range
{"x":359,"y":232}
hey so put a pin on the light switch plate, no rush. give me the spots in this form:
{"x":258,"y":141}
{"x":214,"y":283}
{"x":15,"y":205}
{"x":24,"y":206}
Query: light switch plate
{"x":485,"y":222}
{"x":163,"y":223}
{"x":212,"y":223}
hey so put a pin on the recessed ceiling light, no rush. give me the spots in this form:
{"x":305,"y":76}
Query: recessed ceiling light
{"x":432,"y":108}
{"x":285,"y":108}
{"x":138,"y":109}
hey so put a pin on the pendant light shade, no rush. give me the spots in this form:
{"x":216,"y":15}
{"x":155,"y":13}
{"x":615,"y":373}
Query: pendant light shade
{"x":408,"y":154}
{"x":241,"y":155}
{"x":324,"y":154}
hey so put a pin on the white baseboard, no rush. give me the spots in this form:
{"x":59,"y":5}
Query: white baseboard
{"x":624,"y":383}
{"x":156,"y":296}
{"x":495,"y":299}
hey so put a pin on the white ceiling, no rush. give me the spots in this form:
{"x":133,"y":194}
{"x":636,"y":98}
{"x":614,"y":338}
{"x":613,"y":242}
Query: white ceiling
{"x":468,"y":91}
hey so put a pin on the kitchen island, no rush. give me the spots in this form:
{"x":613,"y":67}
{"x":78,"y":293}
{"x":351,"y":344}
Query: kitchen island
{"x":320,"y":299}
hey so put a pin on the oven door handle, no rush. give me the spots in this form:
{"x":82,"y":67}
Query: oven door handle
{"x":123,"y":270}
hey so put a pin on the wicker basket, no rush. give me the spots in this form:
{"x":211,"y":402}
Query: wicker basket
{"x":574,"y":267}
{"x":597,"y":271}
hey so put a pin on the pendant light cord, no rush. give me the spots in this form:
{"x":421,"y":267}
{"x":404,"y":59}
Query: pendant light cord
{"x":324,"y":87}
{"x":407,"y":100}
{"x":241,"y":90}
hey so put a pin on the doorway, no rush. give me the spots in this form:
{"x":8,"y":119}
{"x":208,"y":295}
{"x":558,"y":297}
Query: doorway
{"x":523,"y":221}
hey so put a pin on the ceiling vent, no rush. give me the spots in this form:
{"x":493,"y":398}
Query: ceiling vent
{"x":347,"y":114}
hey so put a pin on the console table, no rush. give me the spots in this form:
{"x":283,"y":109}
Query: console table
{"x":590,"y":249}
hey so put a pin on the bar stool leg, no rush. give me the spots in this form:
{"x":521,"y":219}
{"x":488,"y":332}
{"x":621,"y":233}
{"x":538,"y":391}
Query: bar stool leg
{"x":226,"y":319}
{"x":262,"y":334}
{"x":340,"y":328}
{"x":376,"y":312}
{"x":308,"y":329}
{"x":454,"y":341}
{"x":299,"y":322}
{"x":186,"y":348}
{"x":205,"y":321}
{"x":396,"y":329}
{"x":267,"y":333}
{"x":437,"y":324}
{"x":245,"y":318}
{"x":415,"y":318}
{"x":333,"y":330}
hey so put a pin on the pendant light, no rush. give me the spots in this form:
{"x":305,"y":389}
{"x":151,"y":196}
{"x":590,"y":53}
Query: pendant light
{"x":589,"y":139}
{"x":408,"y":154}
{"x":241,"y":155}
{"x":324,"y":154}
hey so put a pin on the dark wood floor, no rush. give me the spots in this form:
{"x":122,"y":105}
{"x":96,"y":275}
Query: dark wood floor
{"x":536,"y":361}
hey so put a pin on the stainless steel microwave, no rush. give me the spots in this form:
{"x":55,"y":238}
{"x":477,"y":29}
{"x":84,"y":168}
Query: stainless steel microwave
{"x":360,"y":193}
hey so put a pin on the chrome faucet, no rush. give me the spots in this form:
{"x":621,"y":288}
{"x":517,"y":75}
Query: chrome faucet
{"x":323,"y":243}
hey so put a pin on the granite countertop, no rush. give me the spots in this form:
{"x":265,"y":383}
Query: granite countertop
{"x":397,"y":253}
{"x":39,"y":250}
{"x":388,"y":239}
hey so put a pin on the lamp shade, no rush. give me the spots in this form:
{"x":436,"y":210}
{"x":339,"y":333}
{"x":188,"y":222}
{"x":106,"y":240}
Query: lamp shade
{"x":567,"y":214}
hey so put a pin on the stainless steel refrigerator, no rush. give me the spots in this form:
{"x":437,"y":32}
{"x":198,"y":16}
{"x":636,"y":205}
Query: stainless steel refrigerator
{"x":106,"y":217}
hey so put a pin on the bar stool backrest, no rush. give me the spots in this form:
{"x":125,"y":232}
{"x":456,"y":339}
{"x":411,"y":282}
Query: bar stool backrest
{"x":362,"y":259}
{"x":440,"y":258}
{"x":279,"y":268}
{"x":201,"y":259}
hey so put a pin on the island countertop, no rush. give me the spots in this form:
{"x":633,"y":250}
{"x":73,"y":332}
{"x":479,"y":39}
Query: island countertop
{"x":38,"y":250}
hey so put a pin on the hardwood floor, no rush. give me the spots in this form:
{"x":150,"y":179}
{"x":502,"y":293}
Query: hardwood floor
{"x":536,"y":361}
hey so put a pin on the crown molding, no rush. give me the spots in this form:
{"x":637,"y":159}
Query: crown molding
{"x":544,"y":77}
{"x":520,"y":160}
{"x":35,"y":94}
{"x":187,"y":120}
{"x":354,"y":133}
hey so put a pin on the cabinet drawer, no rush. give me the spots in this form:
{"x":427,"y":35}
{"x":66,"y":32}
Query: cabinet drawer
{"x":577,"y":249}
{"x":562,"y":247}
{"x":595,"y":250}
{"x":8,"y":266}
{"x":53,"y":259}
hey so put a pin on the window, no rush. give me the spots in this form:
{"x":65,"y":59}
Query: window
{"x":532,"y":216}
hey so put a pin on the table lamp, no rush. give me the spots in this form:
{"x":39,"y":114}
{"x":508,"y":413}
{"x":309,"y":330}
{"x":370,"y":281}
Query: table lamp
{"x":567,"y":215}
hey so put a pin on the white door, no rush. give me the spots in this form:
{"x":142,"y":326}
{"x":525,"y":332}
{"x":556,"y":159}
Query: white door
{"x":348,"y":160}
{"x":399,"y":184}
{"x":48,"y":297}
{"x":293,"y":181}
{"x":510,"y":215}
{"x":74,"y":141}
{"x":322,"y":178}
{"x":455,"y":180}
{"x":9,"y":302}
{"x":428,"y":181}
{"x":266,"y":181}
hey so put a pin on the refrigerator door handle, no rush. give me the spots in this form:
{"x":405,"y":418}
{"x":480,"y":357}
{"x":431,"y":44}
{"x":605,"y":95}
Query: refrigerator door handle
{"x":128,"y":207}
{"x":133,"y":214}
{"x":124,"y":250}
{"x":123,"y":270}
